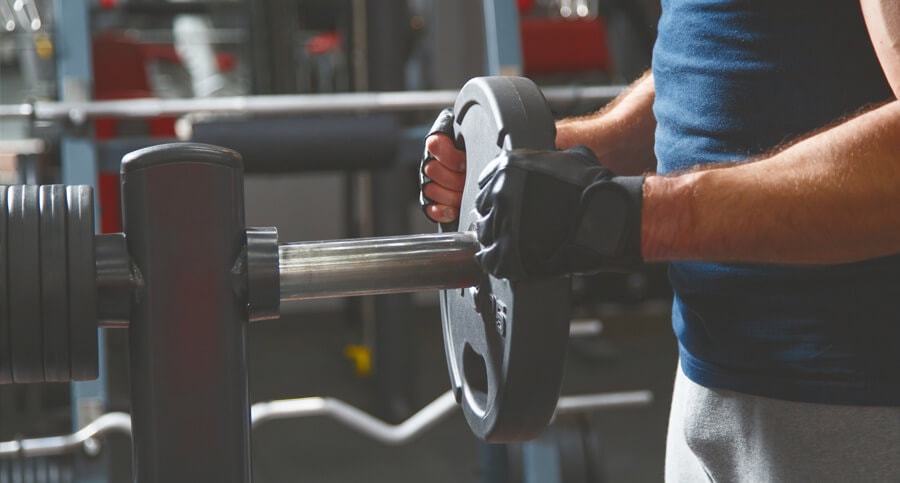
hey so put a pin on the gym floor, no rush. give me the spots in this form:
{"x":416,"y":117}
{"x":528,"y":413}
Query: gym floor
{"x":302,"y":356}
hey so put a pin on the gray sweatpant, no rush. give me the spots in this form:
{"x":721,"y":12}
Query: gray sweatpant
{"x":725,"y":436}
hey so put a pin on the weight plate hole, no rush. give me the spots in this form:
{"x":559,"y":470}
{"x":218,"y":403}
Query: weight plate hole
{"x":476,"y":383}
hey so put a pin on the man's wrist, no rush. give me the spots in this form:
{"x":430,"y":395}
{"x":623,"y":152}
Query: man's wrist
{"x":666,"y":216}
{"x":566,"y":134}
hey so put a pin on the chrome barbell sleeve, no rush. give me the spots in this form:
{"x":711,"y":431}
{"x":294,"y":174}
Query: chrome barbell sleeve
{"x":324,"y":269}
{"x":371,"y":266}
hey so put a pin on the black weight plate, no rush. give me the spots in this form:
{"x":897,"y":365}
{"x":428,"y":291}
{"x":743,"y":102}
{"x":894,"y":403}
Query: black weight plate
{"x":54,"y":283}
{"x":82,"y":283}
{"x":24,"y":256}
{"x":5,"y":329}
{"x":505,"y":357}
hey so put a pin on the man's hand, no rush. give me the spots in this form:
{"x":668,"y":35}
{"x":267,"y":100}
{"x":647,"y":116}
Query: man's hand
{"x":546,"y":213}
{"x":442,"y":174}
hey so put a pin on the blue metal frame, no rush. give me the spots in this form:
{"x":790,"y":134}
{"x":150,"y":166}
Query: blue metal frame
{"x":540,"y":461}
{"x":74,"y":77}
{"x":78,"y":155}
{"x":501,"y":33}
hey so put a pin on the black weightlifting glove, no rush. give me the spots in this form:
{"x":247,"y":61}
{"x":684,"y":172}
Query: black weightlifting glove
{"x":547,"y":213}
{"x":443,"y":124}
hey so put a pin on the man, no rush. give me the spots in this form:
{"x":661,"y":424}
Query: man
{"x":774,"y":129}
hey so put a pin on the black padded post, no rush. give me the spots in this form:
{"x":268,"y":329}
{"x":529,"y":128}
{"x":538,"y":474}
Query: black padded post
{"x":184,"y":223}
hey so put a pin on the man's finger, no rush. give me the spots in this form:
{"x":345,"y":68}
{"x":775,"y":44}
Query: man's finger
{"x":442,"y":195}
{"x":444,"y":176}
{"x":441,"y":213}
{"x":442,"y":148}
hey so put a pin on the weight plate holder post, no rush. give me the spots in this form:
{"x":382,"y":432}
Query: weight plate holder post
{"x":186,"y":275}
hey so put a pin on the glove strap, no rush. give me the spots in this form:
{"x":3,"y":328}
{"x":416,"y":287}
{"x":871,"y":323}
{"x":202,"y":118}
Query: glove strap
{"x":609,"y":220}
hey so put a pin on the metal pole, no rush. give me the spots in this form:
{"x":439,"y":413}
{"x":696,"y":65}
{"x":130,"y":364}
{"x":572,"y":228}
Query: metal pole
{"x":371,"y":266}
{"x":320,"y":269}
{"x":80,"y":112}
{"x":390,"y":333}
{"x":501,"y":26}
{"x":78,"y":163}
{"x":184,"y":208}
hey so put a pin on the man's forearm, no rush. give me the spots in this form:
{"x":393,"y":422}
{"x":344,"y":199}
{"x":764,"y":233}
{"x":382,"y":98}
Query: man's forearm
{"x":832,"y":198}
{"x":621,"y":134}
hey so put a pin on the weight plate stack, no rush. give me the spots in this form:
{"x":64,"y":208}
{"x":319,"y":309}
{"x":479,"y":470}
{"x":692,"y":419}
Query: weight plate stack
{"x":505,"y":341}
{"x":82,"y":283}
{"x":54,"y":283}
{"x":48,"y":288}
{"x":24,"y":283}
{"x":6,"y":375}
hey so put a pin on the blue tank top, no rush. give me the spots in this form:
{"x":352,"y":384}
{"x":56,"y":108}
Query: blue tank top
{"x":736,"y":78}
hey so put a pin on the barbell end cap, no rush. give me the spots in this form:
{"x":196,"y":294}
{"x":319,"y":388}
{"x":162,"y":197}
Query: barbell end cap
{"x":263,"y":275}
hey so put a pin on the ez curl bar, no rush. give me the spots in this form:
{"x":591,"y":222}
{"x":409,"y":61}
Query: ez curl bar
{"x":186,"y":276}
{"x":261,"y":412}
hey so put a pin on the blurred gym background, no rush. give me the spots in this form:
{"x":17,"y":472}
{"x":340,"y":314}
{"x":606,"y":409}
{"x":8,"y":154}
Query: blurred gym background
{"x":319,"y":177}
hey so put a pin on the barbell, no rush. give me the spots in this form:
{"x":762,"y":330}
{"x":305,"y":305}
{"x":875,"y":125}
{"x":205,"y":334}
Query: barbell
{"x":80,"y":112}
{"x":505,"y":340}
